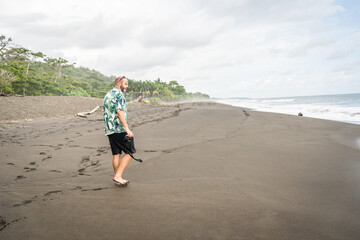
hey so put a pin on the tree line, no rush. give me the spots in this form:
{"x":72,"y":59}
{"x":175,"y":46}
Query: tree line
{"x":25,"y":72}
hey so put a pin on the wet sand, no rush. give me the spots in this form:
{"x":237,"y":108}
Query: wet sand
{"x":210,"y":171}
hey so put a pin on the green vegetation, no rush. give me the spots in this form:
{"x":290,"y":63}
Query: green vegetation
{"x":25,"y":72}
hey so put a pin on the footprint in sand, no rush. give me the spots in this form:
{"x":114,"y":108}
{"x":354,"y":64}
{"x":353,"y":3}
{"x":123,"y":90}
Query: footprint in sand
{"x":94,"y":189}
{"x":23,"y":203}
{"x":81,"y":171}
{"x":58,"y":146}
{"x":52,"y":192}
{"x":85,"y":159}
{"x":101,"y":150}
{"x":95,"y":163}
{"x":150,"y":151}
{"x":3,"y":223}
{"x":20,"y":177}
{"x":73,"y":146}
{"x":48,"y":157}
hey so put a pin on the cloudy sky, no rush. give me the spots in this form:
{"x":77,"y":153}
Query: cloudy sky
{"x":225,"y":48}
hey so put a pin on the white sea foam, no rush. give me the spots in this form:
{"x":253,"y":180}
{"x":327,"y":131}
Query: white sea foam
{"x":317,"y":107}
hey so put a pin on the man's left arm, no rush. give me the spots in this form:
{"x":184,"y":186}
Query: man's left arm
{"x":122,"y":118}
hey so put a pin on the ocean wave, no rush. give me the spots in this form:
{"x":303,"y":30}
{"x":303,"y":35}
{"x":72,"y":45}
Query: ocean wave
{"x":315,"y":110}
{"x":278,"y":100}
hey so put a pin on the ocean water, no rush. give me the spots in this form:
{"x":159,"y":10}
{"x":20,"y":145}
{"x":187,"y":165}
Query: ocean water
{"x":343,"y":107}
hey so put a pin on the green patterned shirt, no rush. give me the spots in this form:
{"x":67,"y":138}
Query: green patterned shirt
{"x":113,"y":102}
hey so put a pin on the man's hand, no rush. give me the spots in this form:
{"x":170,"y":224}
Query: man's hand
{"x":129,"y":133}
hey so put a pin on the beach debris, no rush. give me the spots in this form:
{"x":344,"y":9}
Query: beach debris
{"x":10,"y":95}
{"x":83,"y":114}
{"x":246,"y":113}
{"x":142,"y":100}
{"x":300,"y":114}
{"x":145,"y":101}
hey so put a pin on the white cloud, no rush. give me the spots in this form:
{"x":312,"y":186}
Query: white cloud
{"x":224,"y":48}
{"x":340,"y":53}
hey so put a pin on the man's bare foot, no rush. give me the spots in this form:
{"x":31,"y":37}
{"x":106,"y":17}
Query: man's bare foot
{"x":121,"y":181}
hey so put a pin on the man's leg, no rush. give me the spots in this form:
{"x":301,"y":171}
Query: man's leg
{"x":120,"y":170}
{"x":116,"y":162}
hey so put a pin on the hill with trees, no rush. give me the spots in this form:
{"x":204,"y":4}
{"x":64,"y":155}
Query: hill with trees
{"x":25,"y":72}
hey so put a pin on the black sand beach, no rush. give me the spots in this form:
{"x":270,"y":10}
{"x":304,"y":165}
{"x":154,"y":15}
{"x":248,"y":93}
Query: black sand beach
{"x":210,"y":171}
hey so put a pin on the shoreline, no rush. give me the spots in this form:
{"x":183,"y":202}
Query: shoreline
{"x":341,"y":108}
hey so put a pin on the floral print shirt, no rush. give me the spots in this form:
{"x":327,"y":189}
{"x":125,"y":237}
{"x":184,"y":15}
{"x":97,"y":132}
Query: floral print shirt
{"x":113,"y":102}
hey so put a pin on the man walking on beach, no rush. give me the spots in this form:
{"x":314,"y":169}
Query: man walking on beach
{"x":117,"y":129}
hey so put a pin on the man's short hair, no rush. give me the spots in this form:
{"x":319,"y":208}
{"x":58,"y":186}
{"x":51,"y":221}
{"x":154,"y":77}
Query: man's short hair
{"x":118,"y":79}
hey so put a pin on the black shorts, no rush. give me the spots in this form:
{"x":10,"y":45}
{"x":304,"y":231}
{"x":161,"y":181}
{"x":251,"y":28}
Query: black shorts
{"x":119,"y":144}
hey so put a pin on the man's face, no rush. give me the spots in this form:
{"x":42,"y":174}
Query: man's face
{"x":124,"y":85}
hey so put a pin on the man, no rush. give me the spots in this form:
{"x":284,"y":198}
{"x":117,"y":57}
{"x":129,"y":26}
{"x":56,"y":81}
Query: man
{"x":116,"y":128}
